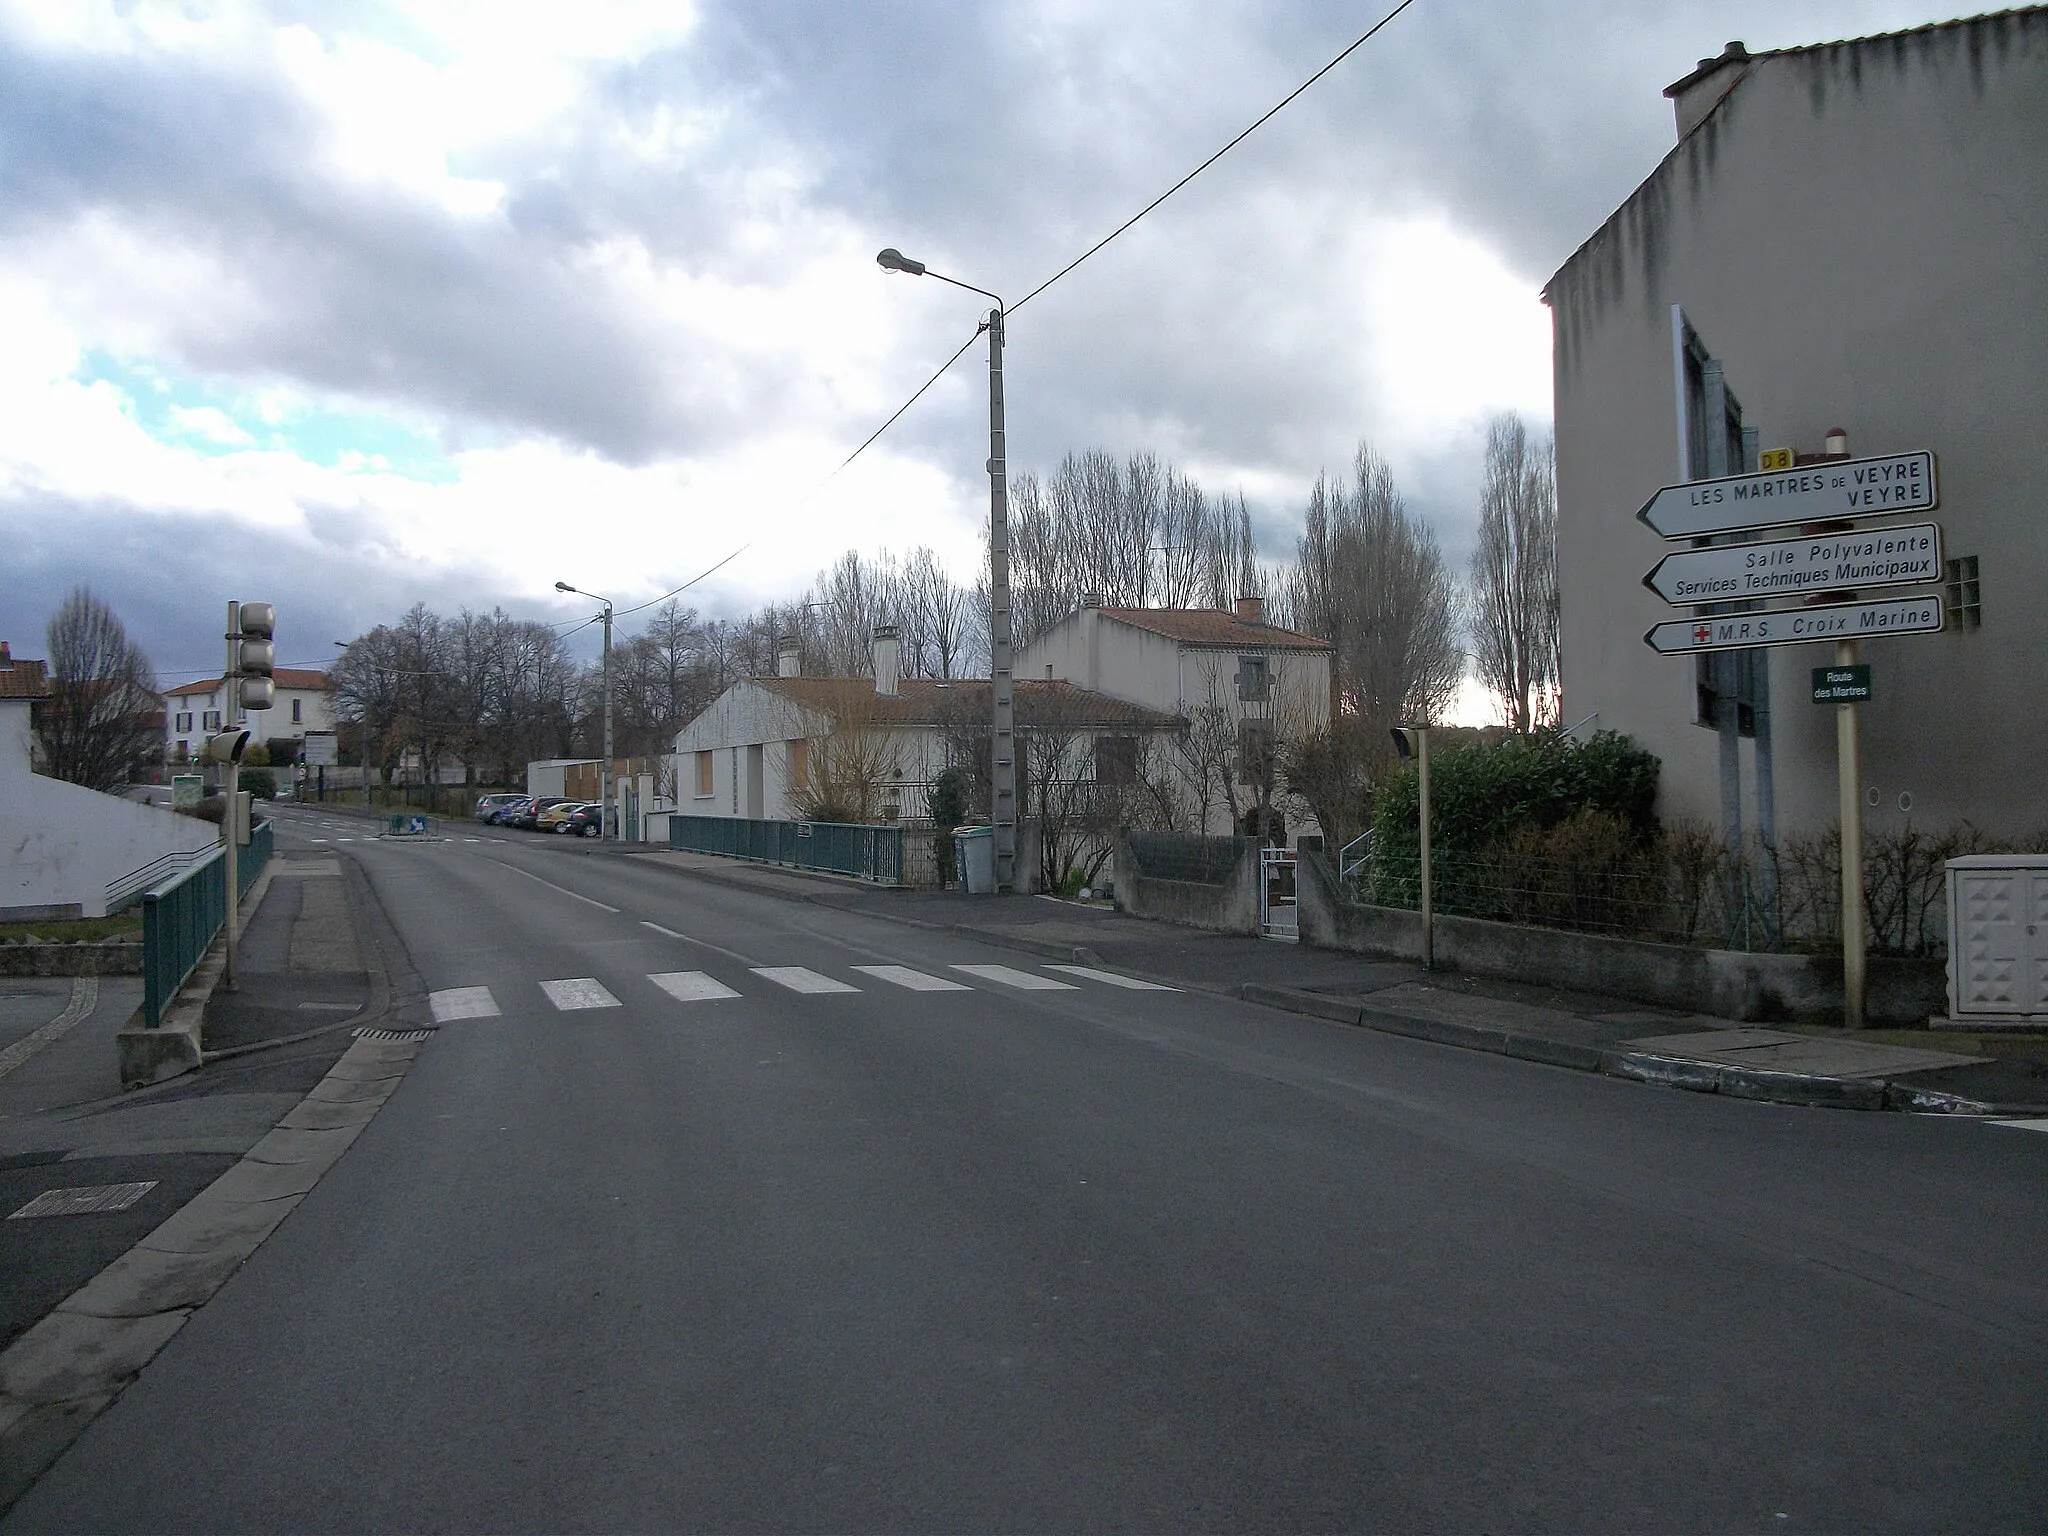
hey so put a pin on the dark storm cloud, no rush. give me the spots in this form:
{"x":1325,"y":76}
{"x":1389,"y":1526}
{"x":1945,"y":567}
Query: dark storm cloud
{"x":168,"y":578}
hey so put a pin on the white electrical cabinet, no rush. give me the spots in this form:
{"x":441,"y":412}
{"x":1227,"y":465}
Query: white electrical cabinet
{"x":1998,"y":940}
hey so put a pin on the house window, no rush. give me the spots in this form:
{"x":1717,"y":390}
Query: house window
{"x":296,"y":703}
{"x":1116,"y":760}
{"x":1253,"y":679}
{"x":704,"y":782}
{"x":213,"y":720}
{"x":185,"y":721}
{"x":1965,"y":597}
{"x":1254,"y":751}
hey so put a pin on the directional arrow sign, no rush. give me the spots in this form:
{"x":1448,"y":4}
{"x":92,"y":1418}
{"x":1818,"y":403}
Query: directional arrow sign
{"x":1883,"y":557}
{"x":1796,"y":626}
{"x":1813,"y":493}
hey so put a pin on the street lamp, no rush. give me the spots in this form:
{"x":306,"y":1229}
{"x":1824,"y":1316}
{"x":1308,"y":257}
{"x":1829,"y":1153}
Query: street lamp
{"x":604,"y":772}
{"x":1002,"y":748}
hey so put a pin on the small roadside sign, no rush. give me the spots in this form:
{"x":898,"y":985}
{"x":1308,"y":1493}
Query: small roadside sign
{"x":1774,"y":459}
{"x":1811,"y":493}
{"x":318,"y":750}
{"x":1841,"y":685}
{"x":1833,"y":562}
{"x":1797,"y":626}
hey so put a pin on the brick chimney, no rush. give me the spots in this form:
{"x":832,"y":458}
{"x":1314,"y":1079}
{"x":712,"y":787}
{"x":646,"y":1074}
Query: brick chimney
{"x":886,"y":661}
{"x":789,"y":658}
{"x":1251,"y":609}
{"x":6,"y":658}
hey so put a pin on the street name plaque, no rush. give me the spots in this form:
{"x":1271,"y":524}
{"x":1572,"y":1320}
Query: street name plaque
{"x":1809,"y":493}
{"x":1832,"y":562}
{"x":1841,"y":685}
{"x":1797,"y":626}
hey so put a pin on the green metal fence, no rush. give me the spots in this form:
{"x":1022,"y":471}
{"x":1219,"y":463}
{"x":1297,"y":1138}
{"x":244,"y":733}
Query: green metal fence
{"x":183,"y":916}
{"x":870,"y":853}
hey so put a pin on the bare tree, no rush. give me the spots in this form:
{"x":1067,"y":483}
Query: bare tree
{"x":1371,"y":580}
{"x":1514,"y":575}
{"x":99,"y":723}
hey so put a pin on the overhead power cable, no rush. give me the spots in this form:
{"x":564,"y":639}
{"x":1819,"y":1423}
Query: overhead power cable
{"x":1226,"y":149}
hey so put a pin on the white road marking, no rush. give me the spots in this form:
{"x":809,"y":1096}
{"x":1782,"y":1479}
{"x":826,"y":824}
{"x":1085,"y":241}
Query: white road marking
{"x":692,"y":986}
{"x":554,"y":887}
{"x":1024,"y":981}
{"x":462,"y":1003}
{"x":2024,"y":1125}
{"x":797,"y":979}
{"x":317,"y":840}
{"x":1112,"y":978}
{"x":578,"y":992}
{"x":716,"y":949}
{"x":916,"y":981}
{"x":667,"y":933}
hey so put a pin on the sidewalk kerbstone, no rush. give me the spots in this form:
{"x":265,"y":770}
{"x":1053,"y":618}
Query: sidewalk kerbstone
{"x":333,"y":1090}
{"x":257,"y":1183}
{"x":312,"y":1115}
{"x":212,"y":1224}
{"x":146,"y":1281}
{"x":292,"y":1144}
{"x":69,"y":1355}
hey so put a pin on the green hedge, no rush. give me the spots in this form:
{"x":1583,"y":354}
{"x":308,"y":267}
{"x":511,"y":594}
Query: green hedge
{"x":1482,"y":795}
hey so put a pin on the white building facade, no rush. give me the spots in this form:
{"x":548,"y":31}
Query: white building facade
{"x":1848,"y":235}
{"x":193,"y":712}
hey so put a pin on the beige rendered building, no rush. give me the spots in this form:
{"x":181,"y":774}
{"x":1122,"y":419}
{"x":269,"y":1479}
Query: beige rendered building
{"x":1851,"y":235}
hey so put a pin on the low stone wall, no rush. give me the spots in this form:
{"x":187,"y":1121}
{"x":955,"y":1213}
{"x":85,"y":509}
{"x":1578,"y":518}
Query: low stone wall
{"x":1729,"y":984}
{"x":1231,"y":907}
{"x":112,"y":957}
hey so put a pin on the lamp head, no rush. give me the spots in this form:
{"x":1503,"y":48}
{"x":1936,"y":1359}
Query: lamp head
{"x":893,"y":260}
{"x":563,"y":586}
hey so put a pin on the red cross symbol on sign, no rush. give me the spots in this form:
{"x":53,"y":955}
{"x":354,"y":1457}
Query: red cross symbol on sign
{"x":1701,"y":634}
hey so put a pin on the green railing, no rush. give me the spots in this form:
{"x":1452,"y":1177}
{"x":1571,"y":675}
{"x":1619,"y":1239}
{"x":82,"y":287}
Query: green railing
{"x":183,"y":916}
{"x":869,"y":853}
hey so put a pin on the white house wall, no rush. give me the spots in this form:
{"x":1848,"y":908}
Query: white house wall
{"x":1857,"y":234}
{"x":60,"y":844}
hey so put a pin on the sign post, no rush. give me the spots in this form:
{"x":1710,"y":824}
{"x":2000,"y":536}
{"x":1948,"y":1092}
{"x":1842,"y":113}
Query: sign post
{"x":1828,"y":493}
{"x":1850,"y":776}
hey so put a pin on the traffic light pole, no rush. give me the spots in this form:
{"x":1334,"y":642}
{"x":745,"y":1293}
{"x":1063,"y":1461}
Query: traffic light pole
{"x":230,"y":721}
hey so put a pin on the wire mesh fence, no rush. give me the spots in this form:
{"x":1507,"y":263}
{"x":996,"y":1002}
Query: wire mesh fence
{"x":1685,"y":886}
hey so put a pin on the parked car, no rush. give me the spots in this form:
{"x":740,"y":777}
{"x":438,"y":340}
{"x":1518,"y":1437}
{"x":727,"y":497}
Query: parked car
{"x":488,"y":807}
{"x":584,"y":821}
{"x":551,"y":816}
{"x":527,"y":812}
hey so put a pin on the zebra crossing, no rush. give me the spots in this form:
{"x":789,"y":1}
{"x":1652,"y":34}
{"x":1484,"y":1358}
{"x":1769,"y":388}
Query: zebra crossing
{"x":575,"y":994}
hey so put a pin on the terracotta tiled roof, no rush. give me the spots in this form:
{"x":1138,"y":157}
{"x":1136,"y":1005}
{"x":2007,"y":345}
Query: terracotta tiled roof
{"x":1212,"y":626}
{"x":926,"y":701}
{"x":302,"y":678}
{"x":25,"y":680}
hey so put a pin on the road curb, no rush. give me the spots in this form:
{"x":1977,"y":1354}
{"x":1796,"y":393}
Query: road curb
{"x":58,"y":1375}
{"x":1664,"y":1071}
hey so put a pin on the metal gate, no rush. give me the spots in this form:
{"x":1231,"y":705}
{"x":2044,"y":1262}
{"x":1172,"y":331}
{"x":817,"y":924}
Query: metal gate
{"x":1276,"y":894}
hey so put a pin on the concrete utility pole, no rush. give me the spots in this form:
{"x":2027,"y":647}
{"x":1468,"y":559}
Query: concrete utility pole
{"x":1002,"y":723}
{"x":230,"y":721}
{"x":604,"y":771}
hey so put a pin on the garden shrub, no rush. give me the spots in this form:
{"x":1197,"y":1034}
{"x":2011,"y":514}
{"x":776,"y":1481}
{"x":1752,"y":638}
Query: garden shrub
{"x":1483,"y":795}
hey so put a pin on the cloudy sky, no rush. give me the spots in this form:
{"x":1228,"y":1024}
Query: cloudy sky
{"x":355,"y":305}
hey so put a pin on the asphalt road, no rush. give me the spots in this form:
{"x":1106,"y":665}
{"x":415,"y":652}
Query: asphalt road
{"x":884,"y":1259}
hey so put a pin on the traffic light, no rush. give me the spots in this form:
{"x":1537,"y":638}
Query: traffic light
{"x":256,"y":654}
{"x":227,"y":747}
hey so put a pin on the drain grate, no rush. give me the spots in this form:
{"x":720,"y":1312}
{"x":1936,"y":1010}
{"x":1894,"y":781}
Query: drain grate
{"x":84,"y":1202}
{"x":394,"y":1036}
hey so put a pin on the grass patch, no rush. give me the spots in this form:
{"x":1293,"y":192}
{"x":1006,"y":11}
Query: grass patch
{"x":75,"y":930}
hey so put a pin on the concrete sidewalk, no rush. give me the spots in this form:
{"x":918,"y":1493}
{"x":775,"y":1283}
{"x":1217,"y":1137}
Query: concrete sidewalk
{"x":1583,"y":1031}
